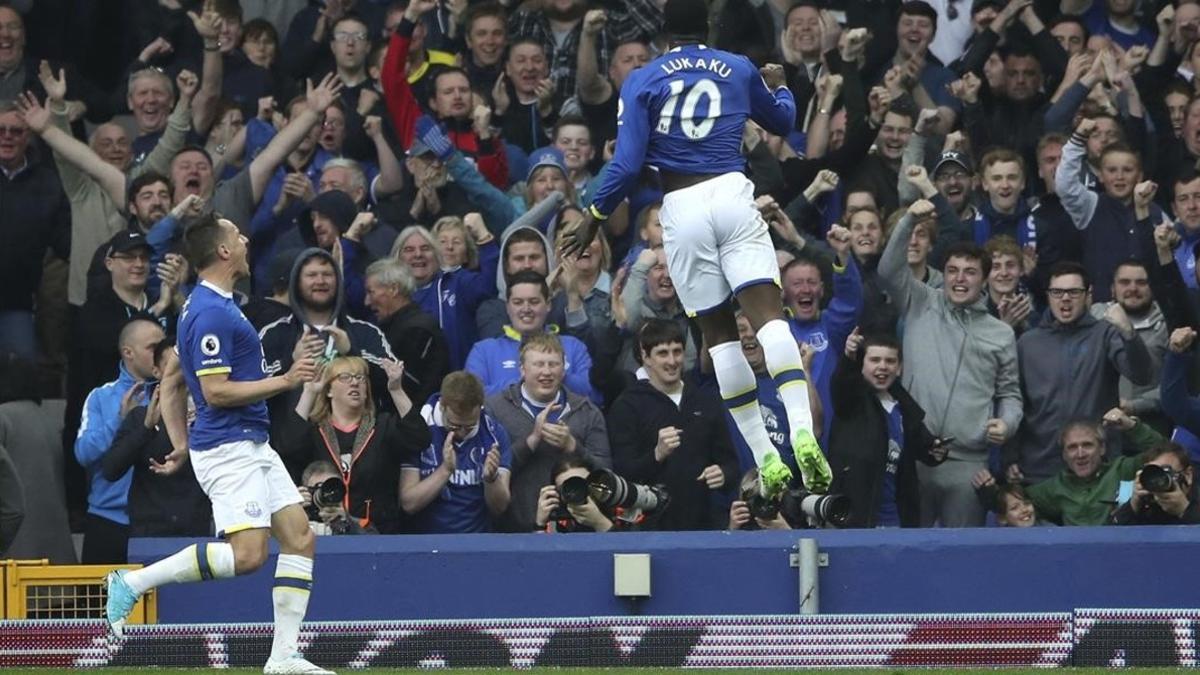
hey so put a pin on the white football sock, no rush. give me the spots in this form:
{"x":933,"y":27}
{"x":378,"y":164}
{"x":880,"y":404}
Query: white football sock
{"x":782,"y":354}
{"x":293,"y":584}
{"x":198,"y":562}
{"x":739,"y":391}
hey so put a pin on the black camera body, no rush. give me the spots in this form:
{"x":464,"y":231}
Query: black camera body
{"x":1159,"y":479}
{"x":327,"y":493}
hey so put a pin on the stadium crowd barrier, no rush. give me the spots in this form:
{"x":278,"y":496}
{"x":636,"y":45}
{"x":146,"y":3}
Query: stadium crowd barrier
{"x":714,"y":573}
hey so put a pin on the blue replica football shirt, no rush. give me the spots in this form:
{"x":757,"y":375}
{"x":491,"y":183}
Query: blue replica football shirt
{"x":685,"y":112}
{"x":214,"y":338}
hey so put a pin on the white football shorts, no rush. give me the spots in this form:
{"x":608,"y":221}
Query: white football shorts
{"x":716,"y":241}
{"x":246,"y":482}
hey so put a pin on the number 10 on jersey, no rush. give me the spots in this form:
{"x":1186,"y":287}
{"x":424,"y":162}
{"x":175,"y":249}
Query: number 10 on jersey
{"x":691,"y":127}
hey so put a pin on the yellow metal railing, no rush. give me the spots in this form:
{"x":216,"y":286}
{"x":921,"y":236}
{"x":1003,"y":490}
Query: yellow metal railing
{"x":35,"y":589}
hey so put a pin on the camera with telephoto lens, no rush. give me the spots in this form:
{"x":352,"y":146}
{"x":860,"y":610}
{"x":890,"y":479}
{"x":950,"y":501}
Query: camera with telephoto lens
{"x":327,"y":493}
{"x":610,"y":492}
{"x":1156,"y":478}
{"x":798,"y":505}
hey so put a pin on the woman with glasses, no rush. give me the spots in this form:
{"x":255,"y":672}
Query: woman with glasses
{"x":336,"y":420}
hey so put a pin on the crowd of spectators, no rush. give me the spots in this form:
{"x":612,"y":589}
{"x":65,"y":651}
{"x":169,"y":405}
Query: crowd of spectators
{"x":987,"y":219}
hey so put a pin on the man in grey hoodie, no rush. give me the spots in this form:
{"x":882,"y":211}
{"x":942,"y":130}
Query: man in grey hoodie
{"x":961,"y":368}
{"x":1070,"y":369}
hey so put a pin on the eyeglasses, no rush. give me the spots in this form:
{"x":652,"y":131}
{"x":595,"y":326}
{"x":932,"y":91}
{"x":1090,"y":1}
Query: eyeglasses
{"x":347,"y":378}
{"x":460,"y":427}
{"x":333,"y":124}
{"x":346,"y":37}
{"x":1074,"y":293}
{"x":12,"y":131}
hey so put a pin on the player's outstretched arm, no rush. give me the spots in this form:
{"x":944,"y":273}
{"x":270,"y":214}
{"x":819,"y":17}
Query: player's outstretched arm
{"x":221,"y":392}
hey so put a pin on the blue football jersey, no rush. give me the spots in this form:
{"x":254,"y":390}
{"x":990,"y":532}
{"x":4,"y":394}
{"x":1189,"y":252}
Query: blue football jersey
{"x":215,"y":337}
{"x":685,"y":112}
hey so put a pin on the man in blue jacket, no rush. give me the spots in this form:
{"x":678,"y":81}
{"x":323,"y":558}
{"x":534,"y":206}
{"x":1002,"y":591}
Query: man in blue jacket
{"x":106,"y":531}
{"x":825,"y":330}
{"x":496,"y":361}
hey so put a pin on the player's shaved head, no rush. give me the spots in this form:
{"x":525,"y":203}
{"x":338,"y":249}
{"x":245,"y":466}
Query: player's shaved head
{"x":686,"y":18}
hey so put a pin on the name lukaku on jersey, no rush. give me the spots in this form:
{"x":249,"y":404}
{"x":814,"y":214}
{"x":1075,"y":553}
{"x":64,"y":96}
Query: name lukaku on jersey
{"x":716,"y":66}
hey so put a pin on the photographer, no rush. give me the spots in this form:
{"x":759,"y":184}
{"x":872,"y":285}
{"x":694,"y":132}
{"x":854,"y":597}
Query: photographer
{"x":1164,"y":491}
{"x":741,"y":511}
{"x":586,"y":498}
{"x":556,"y":514}
{"x":323,"y":501}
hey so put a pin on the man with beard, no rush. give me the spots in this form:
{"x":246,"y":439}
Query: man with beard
{"x":1070,"y":367}
{"x":557,"y":26}
{"x":1011,"y":117}
{"x":1131,"y":290}
{"x":97,"y":179}
{"x":449,"y":98}
{"x":825,"y":331}
{"x":320,"y":326}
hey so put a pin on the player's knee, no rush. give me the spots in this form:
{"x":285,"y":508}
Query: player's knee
{"x":249,"y":557}
{"x":304,"y":542}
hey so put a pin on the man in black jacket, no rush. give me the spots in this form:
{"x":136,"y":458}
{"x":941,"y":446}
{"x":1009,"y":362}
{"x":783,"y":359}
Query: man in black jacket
{"x":878,"y":435}
{"x":665,"y":431}
{"x":319,"y":325}
{"x":414,"y":336}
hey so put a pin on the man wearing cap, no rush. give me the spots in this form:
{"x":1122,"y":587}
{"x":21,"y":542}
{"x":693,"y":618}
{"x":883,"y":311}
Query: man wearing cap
{"x":93,"y":356}
{"x":429,"y":192}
